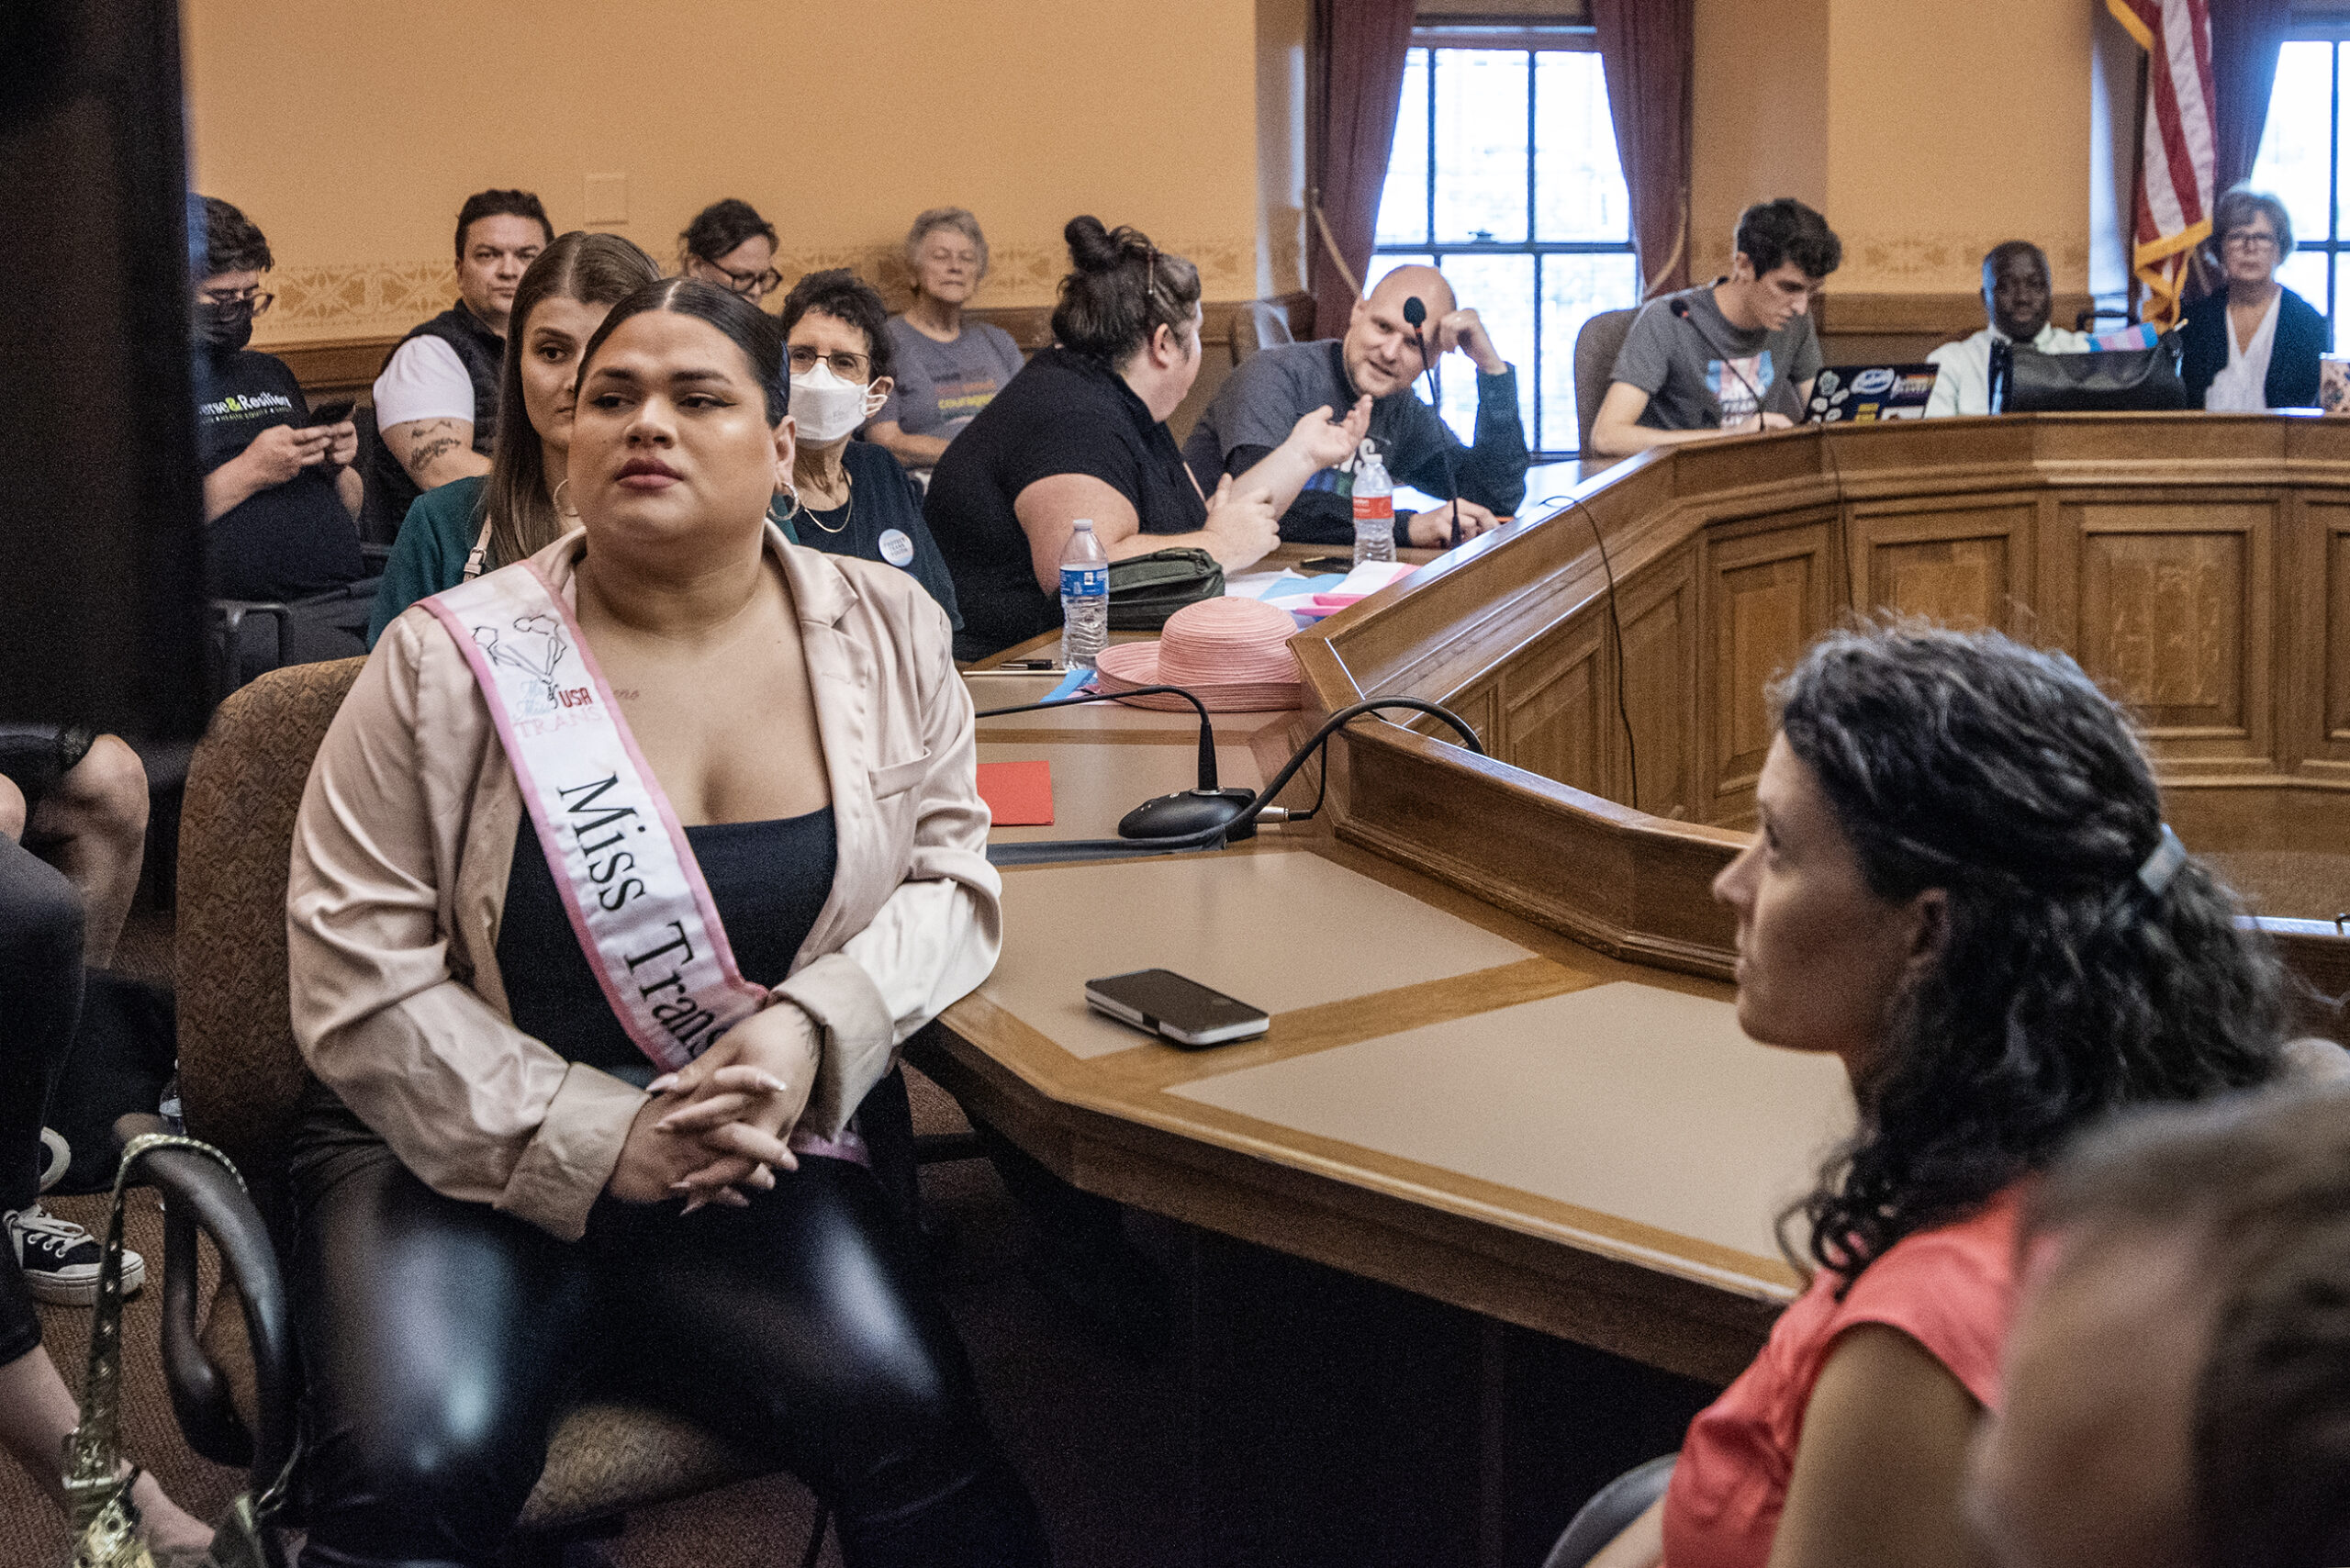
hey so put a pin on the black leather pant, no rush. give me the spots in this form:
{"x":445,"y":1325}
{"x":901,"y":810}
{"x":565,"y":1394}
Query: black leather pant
{"x":439,"y":1338}
{"x":40,"y":1000}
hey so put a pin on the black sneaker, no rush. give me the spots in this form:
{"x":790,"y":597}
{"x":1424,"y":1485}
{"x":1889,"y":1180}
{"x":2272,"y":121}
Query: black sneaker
{"x":61,"y":1259}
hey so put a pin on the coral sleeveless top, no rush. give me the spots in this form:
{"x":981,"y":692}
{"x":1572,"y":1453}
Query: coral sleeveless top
{"x":1952,"y":1290}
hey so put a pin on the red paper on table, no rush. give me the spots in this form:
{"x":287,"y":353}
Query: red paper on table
{"x":1020,"y":794}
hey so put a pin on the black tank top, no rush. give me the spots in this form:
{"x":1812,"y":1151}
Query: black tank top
{"x":769,"y":880}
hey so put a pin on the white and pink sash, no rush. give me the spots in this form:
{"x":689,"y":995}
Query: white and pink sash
{"x":627,"y":875}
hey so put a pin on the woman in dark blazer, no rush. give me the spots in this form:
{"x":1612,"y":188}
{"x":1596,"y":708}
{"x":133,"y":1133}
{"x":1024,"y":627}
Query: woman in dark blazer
{"x":2228,"y":336}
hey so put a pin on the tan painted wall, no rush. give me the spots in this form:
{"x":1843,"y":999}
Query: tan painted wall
{"x":1927,"y":130}
{"x":331,"y":128}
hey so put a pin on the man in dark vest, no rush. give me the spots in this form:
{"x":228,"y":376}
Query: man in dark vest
{"x":436,"y":401}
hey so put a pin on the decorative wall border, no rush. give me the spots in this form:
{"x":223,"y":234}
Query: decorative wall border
{"x":337,"y":302}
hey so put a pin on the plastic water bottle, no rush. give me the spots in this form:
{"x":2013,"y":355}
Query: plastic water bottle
{"x":1085,"y":598}
{"x":1375,"y":508}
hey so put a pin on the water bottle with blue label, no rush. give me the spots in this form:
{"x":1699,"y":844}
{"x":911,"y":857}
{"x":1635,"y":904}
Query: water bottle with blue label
{"x":1085,"y":598}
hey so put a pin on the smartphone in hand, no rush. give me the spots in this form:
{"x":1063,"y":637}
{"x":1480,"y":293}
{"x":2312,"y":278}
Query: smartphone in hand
{"x":333,"y":413}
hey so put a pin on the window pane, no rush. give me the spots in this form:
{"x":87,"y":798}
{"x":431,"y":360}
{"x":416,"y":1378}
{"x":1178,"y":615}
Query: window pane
{"x":1381,"y":265}
{"x":1501,"y":290}
{"x":2303,"y":272}
{"x":1578,"y":181}
{"x":1574,"y":289}
{"x":2290,"y":275}
{"x":2292,"y":160}
{"x":1480,"y":144}
{"x":1404,"y":201}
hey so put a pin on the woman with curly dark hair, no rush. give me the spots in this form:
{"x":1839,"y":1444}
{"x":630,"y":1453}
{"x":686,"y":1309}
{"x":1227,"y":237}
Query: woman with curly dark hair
{"x":1962,"y":887}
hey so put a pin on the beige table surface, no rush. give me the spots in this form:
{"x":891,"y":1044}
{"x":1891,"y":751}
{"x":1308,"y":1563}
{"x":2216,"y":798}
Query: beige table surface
{"x":1449,"y":1099}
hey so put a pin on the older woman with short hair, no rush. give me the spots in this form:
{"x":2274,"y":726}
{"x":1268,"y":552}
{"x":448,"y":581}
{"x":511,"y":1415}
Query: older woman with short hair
{"x":949,"y":369}
{"x":2256,"y":343}
{"x":850,"y":497}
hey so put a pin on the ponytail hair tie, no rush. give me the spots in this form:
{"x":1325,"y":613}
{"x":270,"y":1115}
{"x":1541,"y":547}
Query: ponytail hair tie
{"x":2154,"y":873}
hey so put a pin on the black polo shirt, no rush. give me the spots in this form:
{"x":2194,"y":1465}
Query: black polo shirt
{"x":1064,"y":413}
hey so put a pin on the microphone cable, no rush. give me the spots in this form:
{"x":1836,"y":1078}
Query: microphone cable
{"x":1052,"y":851}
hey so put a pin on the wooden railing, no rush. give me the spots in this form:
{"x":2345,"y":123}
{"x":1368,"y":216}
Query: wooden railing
{"x":2197,"y":566}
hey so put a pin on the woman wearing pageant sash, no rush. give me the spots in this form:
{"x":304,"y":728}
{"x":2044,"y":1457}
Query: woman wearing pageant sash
{"x":619,"y":877}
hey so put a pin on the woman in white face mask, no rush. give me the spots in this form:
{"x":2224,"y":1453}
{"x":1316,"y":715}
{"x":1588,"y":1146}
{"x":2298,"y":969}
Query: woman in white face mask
{"x":853,"y":499}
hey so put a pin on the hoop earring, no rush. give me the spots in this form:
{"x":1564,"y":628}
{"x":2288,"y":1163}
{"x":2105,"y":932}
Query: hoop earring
{"x":792,"y":490}
{"x":557,"y":497}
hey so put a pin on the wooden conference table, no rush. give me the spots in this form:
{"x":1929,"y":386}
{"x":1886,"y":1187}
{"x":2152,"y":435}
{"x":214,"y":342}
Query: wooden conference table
{"x":1503,"y":1130}
{"x":1450,"y":1100}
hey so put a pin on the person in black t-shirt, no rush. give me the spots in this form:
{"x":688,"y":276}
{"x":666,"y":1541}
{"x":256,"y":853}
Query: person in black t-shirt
{"x":1082,"y":432}
{"x":851,"y":497}
{"x":279,"y":492}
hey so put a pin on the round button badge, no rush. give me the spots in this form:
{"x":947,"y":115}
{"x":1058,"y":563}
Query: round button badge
{"x":896,"y":548}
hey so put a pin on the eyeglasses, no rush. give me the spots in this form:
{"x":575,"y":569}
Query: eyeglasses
{"x":253,"y":296}
{"x":750,"y":285}
{"x":2248,"y":239}
{"x":847,"y":365}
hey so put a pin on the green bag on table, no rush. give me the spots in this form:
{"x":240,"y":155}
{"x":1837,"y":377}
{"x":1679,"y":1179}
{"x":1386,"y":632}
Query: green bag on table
{"x":1146,"y":590}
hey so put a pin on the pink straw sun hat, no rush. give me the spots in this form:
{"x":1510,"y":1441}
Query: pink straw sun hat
{"x":1234,"y":653}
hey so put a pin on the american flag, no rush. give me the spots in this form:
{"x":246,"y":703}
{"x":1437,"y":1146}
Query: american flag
{"x":2176,"y":166}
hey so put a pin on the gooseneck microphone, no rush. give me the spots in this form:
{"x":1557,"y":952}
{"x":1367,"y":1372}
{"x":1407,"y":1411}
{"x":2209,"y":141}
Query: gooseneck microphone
{"x":1680,"y":307}
{"x":1049,"y":852}
{"x":1416,"y":315}
{"x":1185,"y":811}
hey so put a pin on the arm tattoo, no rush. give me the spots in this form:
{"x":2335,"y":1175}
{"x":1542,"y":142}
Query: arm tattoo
{"x":426,"y":440}
{"x":421,"y":458}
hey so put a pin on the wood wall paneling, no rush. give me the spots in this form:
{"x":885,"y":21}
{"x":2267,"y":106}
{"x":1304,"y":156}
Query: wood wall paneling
{"x":1558,"y":699}
{"x":1660,"y":675}
{"x":2171,"y":623}
{"x":1957,"y":566}
{"x":1768,"y":599}
{"x":2329,"y":527}
{"x":2198,"y":566}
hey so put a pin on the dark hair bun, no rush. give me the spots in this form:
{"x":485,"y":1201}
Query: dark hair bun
{"x":1092,"y":247}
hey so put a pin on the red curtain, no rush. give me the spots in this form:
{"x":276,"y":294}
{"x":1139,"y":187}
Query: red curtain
{"x":2245,"y":36}
{"x":1647,"y":48}
{"x":1361,"y":46}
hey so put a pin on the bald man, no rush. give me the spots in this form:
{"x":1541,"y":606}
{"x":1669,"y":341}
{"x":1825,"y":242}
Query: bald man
{"x":1378,"y":360}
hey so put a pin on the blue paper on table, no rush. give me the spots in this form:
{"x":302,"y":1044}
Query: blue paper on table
{"x":1069,"y":685}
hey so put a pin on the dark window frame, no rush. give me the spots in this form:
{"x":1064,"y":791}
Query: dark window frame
{"x":1533,"y":41}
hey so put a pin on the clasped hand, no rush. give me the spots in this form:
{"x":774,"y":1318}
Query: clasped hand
{"x":720,"y":1125}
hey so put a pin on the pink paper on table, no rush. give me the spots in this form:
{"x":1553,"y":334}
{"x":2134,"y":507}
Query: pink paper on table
{"x":1019,"y":794}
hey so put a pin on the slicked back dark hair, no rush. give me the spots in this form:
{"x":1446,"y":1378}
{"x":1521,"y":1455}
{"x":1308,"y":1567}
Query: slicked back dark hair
{"x":749,"y":328}
{"x":2000,"y":773}
{"x":232,"y":242}
{"x":845,"y":296}
{"x":2259,"y":1184}
{"x":500,"y":204}
{"x":1773,"y":232}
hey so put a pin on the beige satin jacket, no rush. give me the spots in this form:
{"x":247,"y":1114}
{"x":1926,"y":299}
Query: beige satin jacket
{"x":406,"y":838}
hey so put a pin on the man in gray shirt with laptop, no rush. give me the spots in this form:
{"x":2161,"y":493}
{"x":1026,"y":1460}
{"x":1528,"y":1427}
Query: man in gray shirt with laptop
{"x":1729,"y":357}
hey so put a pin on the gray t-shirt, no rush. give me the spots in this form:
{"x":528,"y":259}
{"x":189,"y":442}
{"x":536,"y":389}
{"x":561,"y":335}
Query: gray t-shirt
{"x":1690,"y":386}
{"x":940,"y":386}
